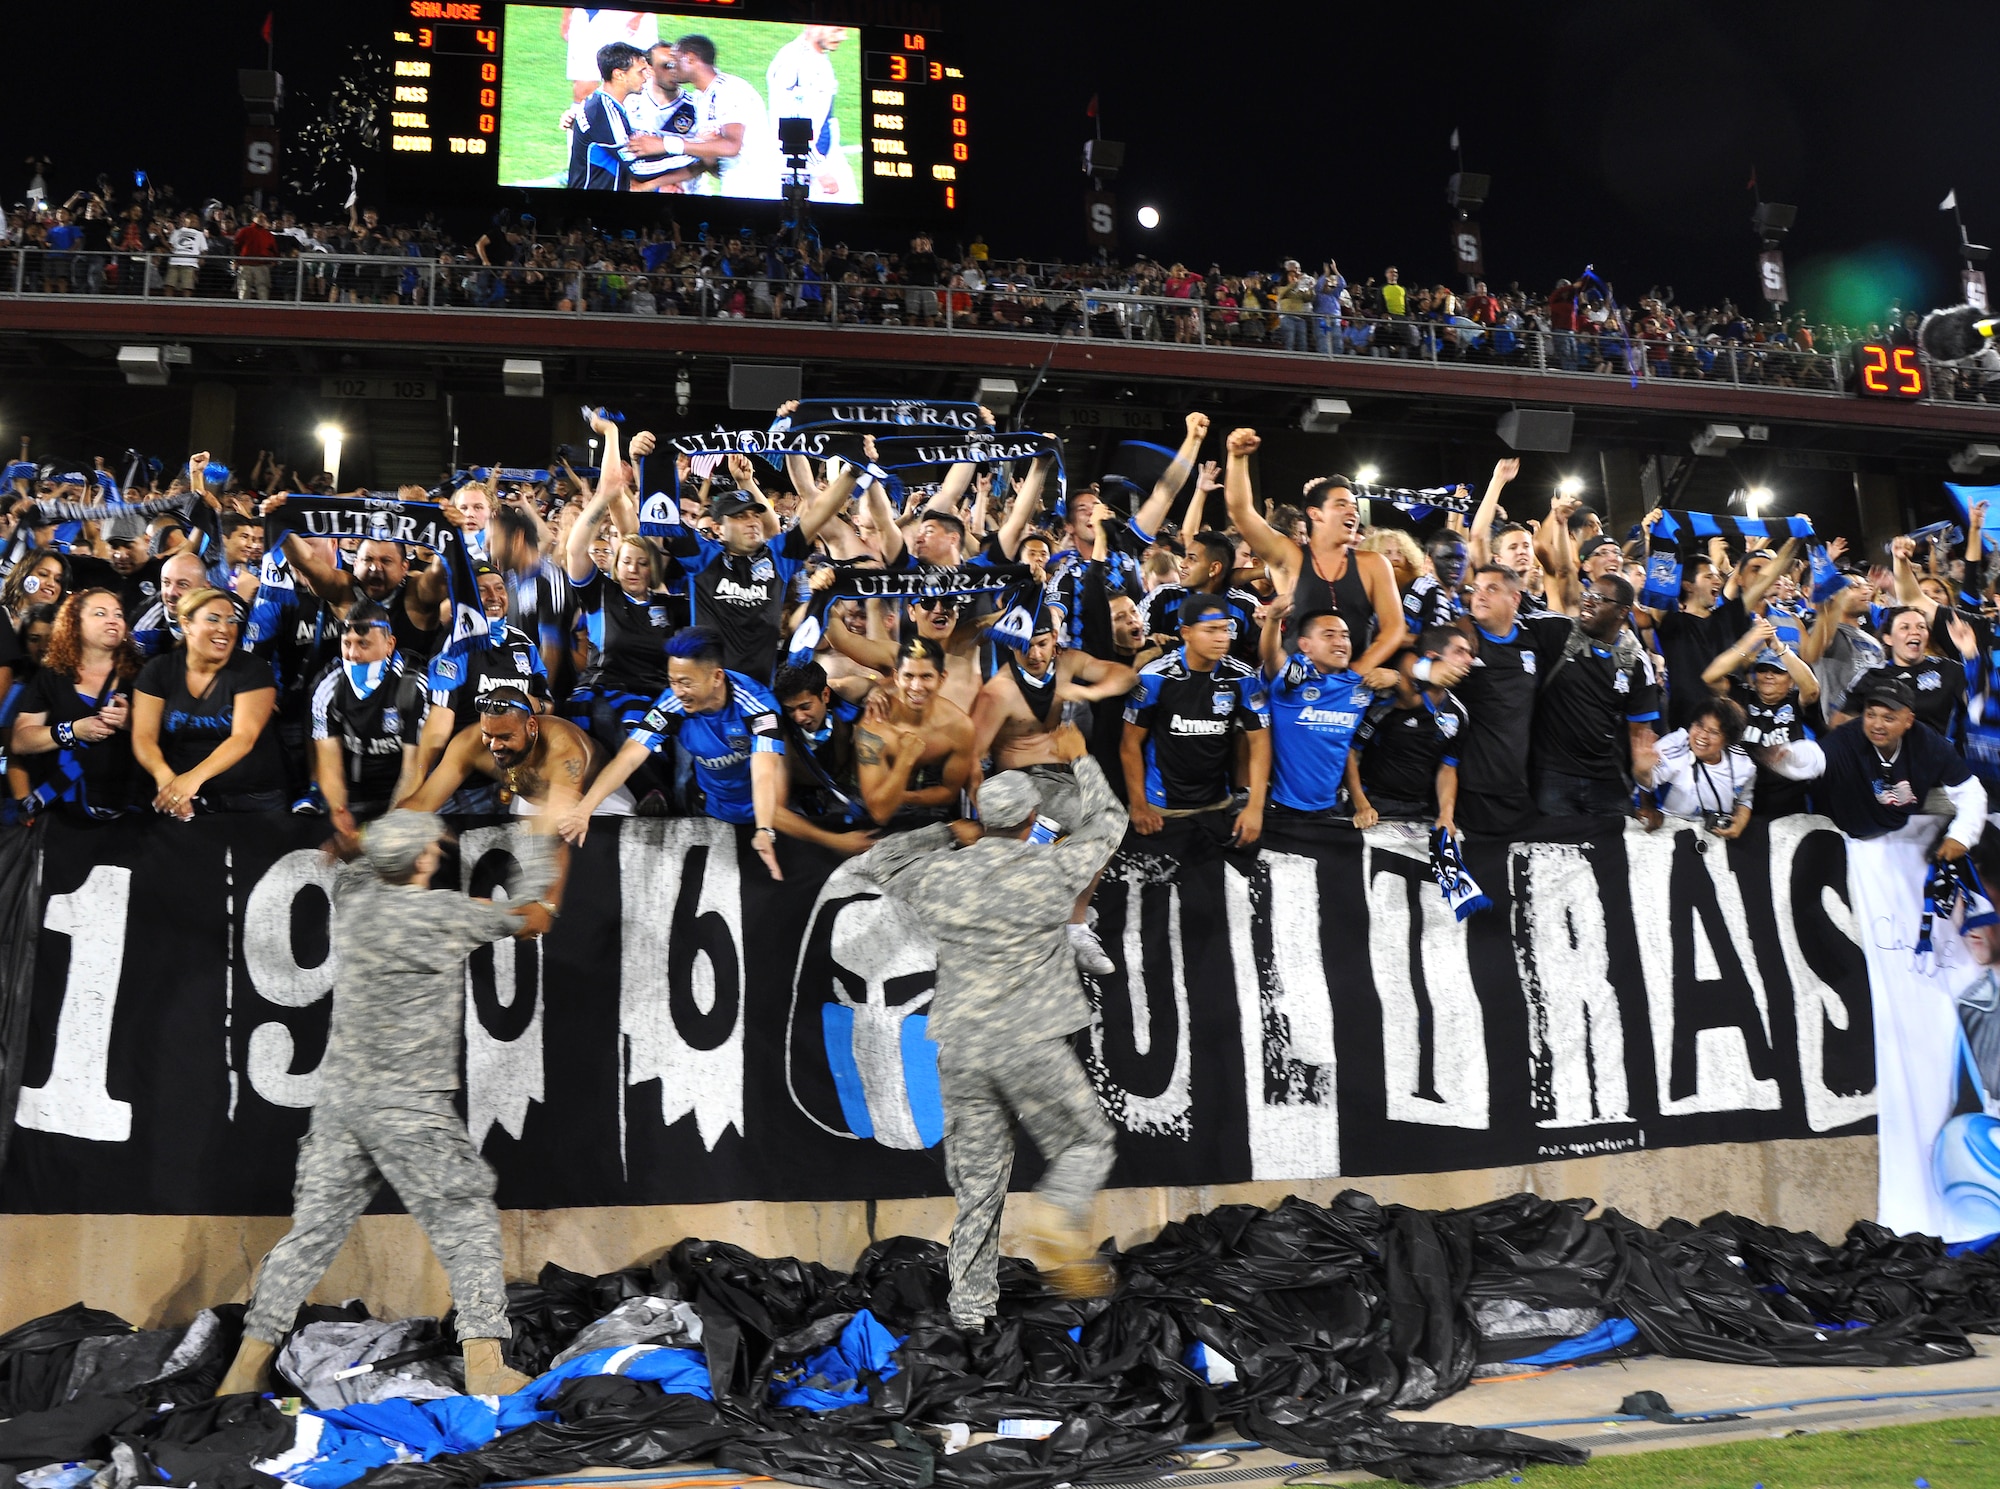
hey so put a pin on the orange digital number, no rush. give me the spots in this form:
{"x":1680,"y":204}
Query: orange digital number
{"x":1875,"y":368}
{"x":488,"y":73}
{"x":958,"y":151}
{"x":1909,"y":372}
{"x":958,"y":128}
{"x":488,"y":39}
{"x":958,"y":103}
{"x":951,"y":196}
{"x":486,"y":124}
{"x":899,"y":68}
{"x":424,"y":37}
{"x":937,"y":71}
{"x":487,"y":98}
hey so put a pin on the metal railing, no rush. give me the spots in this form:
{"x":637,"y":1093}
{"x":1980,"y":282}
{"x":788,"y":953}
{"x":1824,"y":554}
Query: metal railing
{"x":463,"y":284}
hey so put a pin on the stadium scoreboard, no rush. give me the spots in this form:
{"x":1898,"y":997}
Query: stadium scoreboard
{"x":477,"y":93}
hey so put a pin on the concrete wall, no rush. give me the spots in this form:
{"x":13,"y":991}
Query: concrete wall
{"x":161,"y":1269}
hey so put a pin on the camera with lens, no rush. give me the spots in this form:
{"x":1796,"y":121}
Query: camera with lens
{"x":1717,"y":821}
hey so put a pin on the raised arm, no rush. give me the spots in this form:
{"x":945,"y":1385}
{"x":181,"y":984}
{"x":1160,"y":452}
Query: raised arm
{"x":1758,"y":586}
{"x":1027,"y":502}
{"x":582,"y":532}
{"x":326,"y":580}
{"x":1275,"y":549}
{"x":1479,"y":542}
{"x":827,"y":502}
{"x":1153,"y":511}
{"x":1206,"y":480}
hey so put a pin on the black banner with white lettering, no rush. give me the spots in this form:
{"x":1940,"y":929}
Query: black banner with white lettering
{"x":692,"y":1031}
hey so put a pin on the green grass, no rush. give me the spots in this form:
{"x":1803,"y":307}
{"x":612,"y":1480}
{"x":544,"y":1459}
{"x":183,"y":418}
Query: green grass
{"x":534,"y":90}
{"x":1959,"y":1454}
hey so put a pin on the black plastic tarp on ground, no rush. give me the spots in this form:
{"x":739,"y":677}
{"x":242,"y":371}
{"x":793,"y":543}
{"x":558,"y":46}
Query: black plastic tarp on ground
{"x":1315,"y":1322}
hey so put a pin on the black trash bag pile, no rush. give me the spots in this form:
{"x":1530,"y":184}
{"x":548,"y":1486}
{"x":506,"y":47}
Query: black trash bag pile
{"x":1301,"y":1327}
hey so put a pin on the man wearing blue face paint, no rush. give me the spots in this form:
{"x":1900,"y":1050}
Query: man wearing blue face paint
{"x":367,"y":718}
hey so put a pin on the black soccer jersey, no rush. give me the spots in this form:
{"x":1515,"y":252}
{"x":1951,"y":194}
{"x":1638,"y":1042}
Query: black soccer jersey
{"x":1499,"y":695}
{"x":373,"y":727}
{"x":1402,"y":748}
{"x":1192,"y":719}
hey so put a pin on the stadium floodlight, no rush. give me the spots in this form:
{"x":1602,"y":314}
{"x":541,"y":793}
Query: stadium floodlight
{"x":1756,"y":499}
{"x":1149,"y":217}
{"x":1368,"y":475}
{"x":1570,"y":486}
{"x":330,"y":437}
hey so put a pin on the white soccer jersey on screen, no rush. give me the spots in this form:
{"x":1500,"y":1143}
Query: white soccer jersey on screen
{"x":590,"y":29}
{"x":752,"y":171}
{"x":802,"y":85}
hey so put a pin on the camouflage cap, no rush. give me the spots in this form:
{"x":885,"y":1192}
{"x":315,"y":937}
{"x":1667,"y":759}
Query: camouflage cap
{"x":395,"y":842}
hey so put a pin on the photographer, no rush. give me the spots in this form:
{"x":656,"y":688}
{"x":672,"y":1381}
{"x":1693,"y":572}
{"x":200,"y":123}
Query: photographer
{"x":1704,"y":775}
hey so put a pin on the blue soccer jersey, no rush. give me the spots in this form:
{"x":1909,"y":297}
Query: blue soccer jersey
{"x":721,"y":742}
{"x":1314,"y":716}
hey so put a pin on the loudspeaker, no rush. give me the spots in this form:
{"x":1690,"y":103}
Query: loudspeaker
{"x":998,"y":393}
{"x":1537,"y":429}
{"x":521,"y":377}
{"x":1324,"y":415}
{"x":143,"y":365}
{"x":763,"y":385}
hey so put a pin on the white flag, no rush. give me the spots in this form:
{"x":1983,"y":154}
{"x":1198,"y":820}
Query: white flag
{"x":1454,"y":139}
{"x":1950,"y":200}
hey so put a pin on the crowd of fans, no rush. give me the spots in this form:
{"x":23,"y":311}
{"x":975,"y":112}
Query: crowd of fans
{"x":818,"y":653}
{"x":93,"y":244}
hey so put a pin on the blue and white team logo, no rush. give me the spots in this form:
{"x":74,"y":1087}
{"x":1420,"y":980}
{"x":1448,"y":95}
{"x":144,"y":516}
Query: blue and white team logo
{"x":1620,"y":683}
{"x":1447,"y":725}
{"x":1784,"y":715}
{"x":392,"y":721}
{"x":1311,"y":695}
{"x":1223,"y":702}
{"x":661,"y":620}
{"x":522,"y":665}
{"x":1528,"y":663}
{"x":763,"y":568}
{"x":859,"y":1061}
{"x":1930,"y":682}
{"x":660,"y":511}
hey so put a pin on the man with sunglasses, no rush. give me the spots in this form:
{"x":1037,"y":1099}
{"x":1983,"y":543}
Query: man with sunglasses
{"x":537,"y":759}
{"x":511,"y":659}
{"x":367,"y":716}
{"x":1594,"y":712}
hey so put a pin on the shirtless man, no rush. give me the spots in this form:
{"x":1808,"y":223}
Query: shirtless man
{"x":1015,"y":720}
{"x":943,"y":620}
{"x":913,"y":752}
{"x":536,"y":758}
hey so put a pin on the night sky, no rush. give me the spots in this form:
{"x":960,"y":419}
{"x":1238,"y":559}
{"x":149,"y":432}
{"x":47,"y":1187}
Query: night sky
{"x":1621,"y":134}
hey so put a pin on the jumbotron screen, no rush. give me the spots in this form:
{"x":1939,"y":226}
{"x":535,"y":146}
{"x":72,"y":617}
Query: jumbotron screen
{"x":704,"y":99}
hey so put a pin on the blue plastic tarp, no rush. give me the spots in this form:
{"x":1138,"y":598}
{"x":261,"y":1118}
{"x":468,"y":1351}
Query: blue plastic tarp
{"x":831,"y":1378}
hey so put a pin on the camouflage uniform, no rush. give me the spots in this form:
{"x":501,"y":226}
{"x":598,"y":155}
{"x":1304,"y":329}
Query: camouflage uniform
{"x":1008,"y":998}
{"x":385,"y":1106}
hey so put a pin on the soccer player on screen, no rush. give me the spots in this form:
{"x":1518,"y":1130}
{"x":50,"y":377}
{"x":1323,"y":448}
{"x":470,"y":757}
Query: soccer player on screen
{"x":663,"y":113}
{"x":602,"y":122}
{"x":587,"y":30}
{"x":801,"y":84}
{"x":734,"y":135}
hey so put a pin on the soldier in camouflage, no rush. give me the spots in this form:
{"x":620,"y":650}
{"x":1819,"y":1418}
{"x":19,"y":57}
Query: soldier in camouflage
{"x":1008,"y":1000}
{"x":385,"y":1089}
